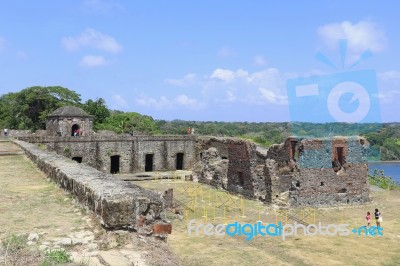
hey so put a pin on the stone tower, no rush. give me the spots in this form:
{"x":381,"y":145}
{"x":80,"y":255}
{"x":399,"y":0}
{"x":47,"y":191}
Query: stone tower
{"x":66,"y":120}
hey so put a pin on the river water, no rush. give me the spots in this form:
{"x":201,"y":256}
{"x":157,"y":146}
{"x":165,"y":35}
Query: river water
{"x":391,"y":169}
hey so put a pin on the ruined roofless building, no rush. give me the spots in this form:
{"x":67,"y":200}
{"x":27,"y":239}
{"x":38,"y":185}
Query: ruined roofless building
{"x":319,"y":171}
{"x":298,"y":172}
{"x":66,"y":120}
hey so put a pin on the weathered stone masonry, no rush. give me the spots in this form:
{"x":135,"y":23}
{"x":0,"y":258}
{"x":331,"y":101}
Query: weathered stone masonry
{"x":320,"y":171}
{"x":116,"y":203}
{"x":298,"y":172}
{"x":129,"y":153}
{"x":65,"y":120}
{"x":232,"y":164}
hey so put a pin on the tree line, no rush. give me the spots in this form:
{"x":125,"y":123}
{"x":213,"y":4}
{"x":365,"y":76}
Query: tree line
{"x":28,"y":108}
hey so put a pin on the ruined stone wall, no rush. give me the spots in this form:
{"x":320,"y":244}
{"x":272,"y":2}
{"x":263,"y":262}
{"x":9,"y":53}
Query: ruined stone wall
{"x":298,"y":172}
{"x":324,"y":171}
{"x":96,"y":151}
{"x":280,"y":168}
{"x":211,"y":169}
{"x":15,"y":133}
{"x":232,"y":164}
{"x":116,"y":203}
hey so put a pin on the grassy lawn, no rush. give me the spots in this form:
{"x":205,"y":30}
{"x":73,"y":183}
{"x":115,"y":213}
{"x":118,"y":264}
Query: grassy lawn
{"x":28,"y":202}
{"x":205,"y":204}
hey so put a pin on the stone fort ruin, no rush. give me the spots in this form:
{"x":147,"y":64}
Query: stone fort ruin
{"x":298,"y":172}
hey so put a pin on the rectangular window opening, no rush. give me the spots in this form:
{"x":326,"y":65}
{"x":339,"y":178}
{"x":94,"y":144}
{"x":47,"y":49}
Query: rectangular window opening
{"x":240,"y":179}
{"x":114,"y":169}
{"x":179,"y":161}
{"x":294,"y":150}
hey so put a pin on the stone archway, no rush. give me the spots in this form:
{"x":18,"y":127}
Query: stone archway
{"x":74,"y":127}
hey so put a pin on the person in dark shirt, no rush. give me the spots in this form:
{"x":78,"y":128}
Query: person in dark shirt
{"x":378,"y":218}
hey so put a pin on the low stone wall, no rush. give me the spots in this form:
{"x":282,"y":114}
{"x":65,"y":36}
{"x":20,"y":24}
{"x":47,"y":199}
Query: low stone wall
{"x":118,"y":205}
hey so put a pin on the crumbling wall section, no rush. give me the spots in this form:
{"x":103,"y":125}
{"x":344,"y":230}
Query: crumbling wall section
{"x":280,"y":169}
{"x":331,"y":171}
{"x":232,"y":164}
{"x":212,"y":169}
{"x":116,"y":203}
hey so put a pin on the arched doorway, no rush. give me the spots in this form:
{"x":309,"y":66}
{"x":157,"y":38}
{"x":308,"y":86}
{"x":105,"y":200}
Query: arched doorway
{"x":74,"y":128}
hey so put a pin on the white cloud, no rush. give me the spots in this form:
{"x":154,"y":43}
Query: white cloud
{"x":93,"y":61}
{"x":92,"y":39}
{"x":259,"y":60}
{"x":151,"y":102}
{"x":163,"y":102}
{"x":188,"y":102}
{"x":119,"y":102}
{"x":226,"y":86}
{"x":223,"y":74}
{"x":225,"y":52}
{"x":361,"y":36}
{"x":187,"y":80}
{"x":390,"y":76}
{"x":272,"y":97}
{"x":390,"y":96}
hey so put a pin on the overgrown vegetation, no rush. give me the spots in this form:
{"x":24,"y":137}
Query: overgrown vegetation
{"x":379,"y":179}
{"x":28,"y":108}
{"x":13,"y":243}
{"x":53,"y":257}
{"x":17,"y":252}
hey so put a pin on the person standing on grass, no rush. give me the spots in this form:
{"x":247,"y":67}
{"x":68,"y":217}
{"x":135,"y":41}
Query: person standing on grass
{"x":378,"y":218}
{"x":368,"y":217}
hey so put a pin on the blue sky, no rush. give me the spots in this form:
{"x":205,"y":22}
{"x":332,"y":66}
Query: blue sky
{"x":197,"y":60}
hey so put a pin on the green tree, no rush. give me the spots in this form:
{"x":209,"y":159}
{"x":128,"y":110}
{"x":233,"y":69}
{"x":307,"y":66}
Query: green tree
{"x":28,"y":108}
{"x":98,"y":109}
{"x":130,"y":122}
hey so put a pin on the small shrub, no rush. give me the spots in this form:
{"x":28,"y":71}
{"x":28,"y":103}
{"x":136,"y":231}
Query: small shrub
{"x":67,"y":152}
{"x":55,"y":257}
{"x":14,"y":242}
{"x":42,"y":146}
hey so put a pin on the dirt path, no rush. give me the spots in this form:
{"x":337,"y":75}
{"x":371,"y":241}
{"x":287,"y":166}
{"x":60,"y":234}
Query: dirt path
{"x":47,"y":219}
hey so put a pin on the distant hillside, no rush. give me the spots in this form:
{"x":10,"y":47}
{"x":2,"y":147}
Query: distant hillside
{"x":384,"y":138}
